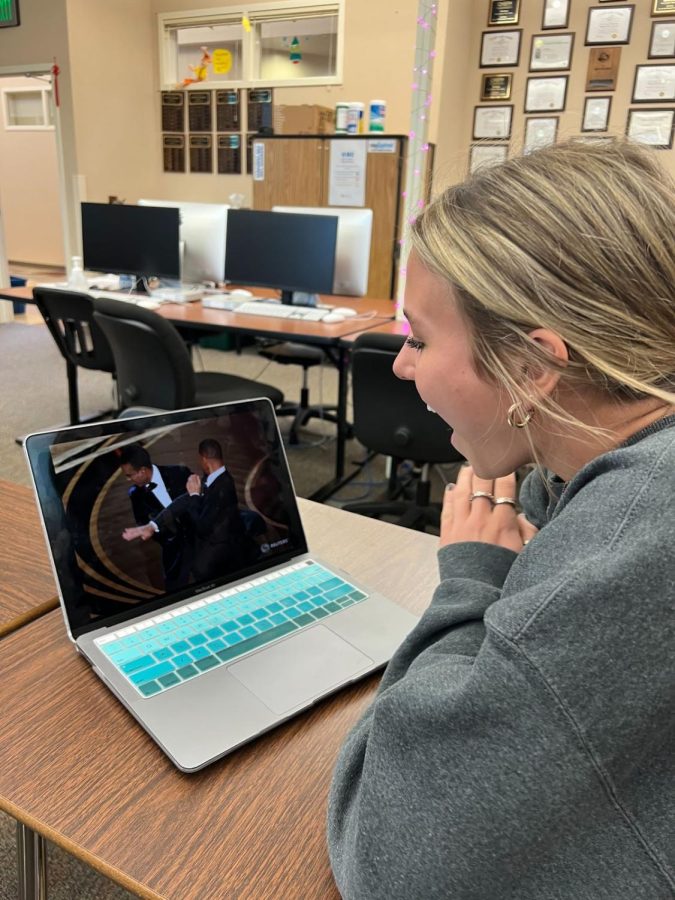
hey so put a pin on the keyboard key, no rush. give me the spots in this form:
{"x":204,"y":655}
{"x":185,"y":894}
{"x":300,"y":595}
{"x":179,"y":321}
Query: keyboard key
{"x":180,"y":646}
{"x":213,"y":632}
{"x":197,"y":639}
{"x":304,"y":620}
{"x":169,"y":680}
{"x":153,"y":672}
{"x":257,"y":641}
{"x":216,"y":645}
{"x":248,"y":632}
{"x":207,"y":663}
{"x":187,"y":672}
{"x":183,"y":659}
{"x":199,"y":653}
{"x":243,"y":620}
{"x":162,"y":654}
{"x":149,"y":688}
{"x":141,"y":662}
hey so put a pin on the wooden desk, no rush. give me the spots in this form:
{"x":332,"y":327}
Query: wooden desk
{"x":27,"y":587}
{"x":76,"y":768}
{"x":333,"y":339}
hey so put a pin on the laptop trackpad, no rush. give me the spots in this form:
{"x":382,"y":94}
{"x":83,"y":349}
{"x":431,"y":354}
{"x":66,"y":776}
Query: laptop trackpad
{"x":295,"y":671}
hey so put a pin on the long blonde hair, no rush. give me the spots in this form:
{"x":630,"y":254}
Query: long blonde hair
{"x":577,"y":238}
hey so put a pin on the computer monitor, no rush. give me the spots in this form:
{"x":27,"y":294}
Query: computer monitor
{"x":281,"y":250}
{"x":203,"y":228}
{"x":352,"y":256}
{"x":130,"y":240}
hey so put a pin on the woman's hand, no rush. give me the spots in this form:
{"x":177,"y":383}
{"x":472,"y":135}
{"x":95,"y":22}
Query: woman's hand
{"x":490,"y":517}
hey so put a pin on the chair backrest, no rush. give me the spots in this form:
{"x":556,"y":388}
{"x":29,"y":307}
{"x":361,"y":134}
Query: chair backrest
{"x":153,"y":364}
{"x":69,"y":315}
{"x":389,"y":415}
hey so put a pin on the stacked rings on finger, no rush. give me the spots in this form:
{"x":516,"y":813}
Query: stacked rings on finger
{"x":508,"y":500}
{"x":486,"y":494}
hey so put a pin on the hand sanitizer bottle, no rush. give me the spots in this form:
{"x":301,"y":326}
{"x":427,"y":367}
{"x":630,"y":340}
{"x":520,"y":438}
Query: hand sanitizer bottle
{"x":77,"y":280}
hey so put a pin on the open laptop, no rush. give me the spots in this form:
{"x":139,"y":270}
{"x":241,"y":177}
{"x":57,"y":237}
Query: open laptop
{"x":252,"y":629}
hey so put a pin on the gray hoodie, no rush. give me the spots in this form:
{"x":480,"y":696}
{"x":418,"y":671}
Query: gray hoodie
{"x":522,"y":741}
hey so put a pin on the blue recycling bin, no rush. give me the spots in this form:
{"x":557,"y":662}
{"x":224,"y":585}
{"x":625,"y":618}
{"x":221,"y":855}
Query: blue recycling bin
{"x":15,"y":281}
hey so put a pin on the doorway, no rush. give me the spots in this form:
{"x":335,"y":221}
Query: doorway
{"x":31,"y":194}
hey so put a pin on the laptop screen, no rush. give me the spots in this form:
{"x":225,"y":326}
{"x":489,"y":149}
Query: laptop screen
{"x":142,"y":512}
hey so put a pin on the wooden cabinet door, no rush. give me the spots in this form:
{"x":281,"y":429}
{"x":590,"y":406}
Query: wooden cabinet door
{"x":293,"y":173}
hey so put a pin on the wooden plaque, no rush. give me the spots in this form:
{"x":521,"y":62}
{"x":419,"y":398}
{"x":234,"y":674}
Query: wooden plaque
{"x":603,"y":68}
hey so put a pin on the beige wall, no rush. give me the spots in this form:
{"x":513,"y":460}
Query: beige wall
{"x":41,"y":38}
{"x":114,"y":96}
{"x":110,"y":100}
{"x":378,"y":61}
{"x":29,"y":190}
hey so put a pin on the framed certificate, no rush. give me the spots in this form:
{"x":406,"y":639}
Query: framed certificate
{"x":596,"y":113}
{"x":551,"y":51}
{"x":556,"y":14}
{"x":651,"y":126}
{"x":609,"y":24}
{"x":654,"y":84}
{"x":496,"y":87}
{"x":662,"y":40}
{"x":486,"y":155}
{"x":540,"y":132}
{"x":663,"y":7}
{"x":492,"y":122}
{"x":503,"y":12}
{"x":546,"y":94}
{"x":500,"y":48}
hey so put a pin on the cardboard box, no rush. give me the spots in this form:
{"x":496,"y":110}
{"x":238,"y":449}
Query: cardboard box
{"x":305,"y":119}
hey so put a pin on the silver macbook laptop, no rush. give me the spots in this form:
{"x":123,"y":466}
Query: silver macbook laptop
{"x":185,"y":578}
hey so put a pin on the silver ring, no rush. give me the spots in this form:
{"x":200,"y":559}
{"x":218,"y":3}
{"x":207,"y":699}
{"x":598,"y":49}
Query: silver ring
{"x":525,"y":543}
{"x":486,"y":494}
{"x":508,"y":500}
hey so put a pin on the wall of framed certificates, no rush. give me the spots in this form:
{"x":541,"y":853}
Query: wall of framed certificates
{"x":549,"y":70}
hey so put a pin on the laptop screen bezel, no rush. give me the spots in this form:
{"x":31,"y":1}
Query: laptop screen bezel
{"x":37,"y":448}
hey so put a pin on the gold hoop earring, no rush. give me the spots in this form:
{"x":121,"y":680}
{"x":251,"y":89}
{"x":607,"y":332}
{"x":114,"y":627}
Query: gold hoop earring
{"x":512,"y":420}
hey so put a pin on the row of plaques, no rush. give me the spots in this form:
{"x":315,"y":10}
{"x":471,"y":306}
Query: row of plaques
{"x":206,"y":153}
{"x":218,"y":110}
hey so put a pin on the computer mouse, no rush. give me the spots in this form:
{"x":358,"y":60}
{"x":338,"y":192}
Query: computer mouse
{"x":240,"y":292}
{"x":345,"y":311}
{"x":332,"y":318}
{"x":149,"y":304}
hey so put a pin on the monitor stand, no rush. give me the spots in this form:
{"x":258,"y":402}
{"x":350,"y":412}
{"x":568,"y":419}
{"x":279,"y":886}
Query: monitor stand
{"x":299,"y":298}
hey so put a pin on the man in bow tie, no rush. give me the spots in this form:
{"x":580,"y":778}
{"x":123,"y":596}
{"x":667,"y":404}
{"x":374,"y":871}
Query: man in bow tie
{"x":153,"y":490}
{"x":221,"y":542}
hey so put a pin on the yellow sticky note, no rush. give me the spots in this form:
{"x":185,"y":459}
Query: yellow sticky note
{"x":222,"y":62}
{"x":246,"y":23}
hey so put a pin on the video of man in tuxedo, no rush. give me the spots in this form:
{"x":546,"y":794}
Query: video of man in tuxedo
{"x":169,"y":510}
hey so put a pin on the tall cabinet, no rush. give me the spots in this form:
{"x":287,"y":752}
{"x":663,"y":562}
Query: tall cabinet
{"x":290,"y":170}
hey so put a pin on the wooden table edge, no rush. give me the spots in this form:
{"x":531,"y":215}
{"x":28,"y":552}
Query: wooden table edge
{"x":73,"y":849}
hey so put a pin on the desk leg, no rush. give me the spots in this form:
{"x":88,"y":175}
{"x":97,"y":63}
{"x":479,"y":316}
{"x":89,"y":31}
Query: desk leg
{"x":343,"y":381}
{"x":32,"y":860}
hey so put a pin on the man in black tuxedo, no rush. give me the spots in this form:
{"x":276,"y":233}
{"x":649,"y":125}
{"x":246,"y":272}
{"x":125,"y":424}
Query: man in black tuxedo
{"x":154,"y":490}
{"x":221,"y":542}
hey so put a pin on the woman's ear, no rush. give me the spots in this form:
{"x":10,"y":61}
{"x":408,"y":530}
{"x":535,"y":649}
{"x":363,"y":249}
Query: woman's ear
{"x":542,"y":377}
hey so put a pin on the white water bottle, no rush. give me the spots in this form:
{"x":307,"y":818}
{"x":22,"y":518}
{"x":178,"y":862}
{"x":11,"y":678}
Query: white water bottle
{"x":77,"y":280}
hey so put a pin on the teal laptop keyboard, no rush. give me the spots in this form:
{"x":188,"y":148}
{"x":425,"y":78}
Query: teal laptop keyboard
{"x":171,"y":647}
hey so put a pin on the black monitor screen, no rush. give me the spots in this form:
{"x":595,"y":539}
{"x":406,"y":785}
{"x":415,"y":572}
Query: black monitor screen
{"x":133,"y":240}
{"x":281,"y":250}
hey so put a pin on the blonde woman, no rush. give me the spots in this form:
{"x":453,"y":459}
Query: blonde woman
{"x":521,"y":744}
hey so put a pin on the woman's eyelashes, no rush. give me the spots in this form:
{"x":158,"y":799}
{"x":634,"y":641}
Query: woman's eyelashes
{"x":414,"y":344}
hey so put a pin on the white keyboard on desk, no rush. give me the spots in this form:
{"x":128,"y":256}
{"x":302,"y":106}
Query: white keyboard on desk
{"x":260,"y":308}
{"x":115,"y":295}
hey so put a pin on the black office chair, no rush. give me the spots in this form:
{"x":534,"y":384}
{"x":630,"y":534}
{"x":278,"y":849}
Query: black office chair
{"x":69,"y":317}
{"x":153,"y":364}
{"x":391,"y":419}
{"x":289,"y":354}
